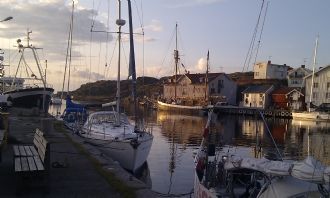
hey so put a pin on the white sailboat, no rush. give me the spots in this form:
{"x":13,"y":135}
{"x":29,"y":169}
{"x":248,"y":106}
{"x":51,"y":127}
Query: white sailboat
{"x":233,"y":172}
{"x":110,"y":130}
{"x":312,"y":114}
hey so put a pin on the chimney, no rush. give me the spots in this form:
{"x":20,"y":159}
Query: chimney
{"x":302,"y":66}
{"x":284,"y":64}
{"x":269,"y":62}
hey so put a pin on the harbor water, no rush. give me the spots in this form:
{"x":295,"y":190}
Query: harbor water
{"x":177,"y":137}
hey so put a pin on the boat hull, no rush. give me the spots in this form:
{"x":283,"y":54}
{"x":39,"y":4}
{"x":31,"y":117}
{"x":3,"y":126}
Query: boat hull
{"x":317,"y":116}
{"x":130,"y":155}
{"x":181,"y":108}
{"x":30,"y":97}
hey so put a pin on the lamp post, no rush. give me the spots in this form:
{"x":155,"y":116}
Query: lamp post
{"x":7,"y":19}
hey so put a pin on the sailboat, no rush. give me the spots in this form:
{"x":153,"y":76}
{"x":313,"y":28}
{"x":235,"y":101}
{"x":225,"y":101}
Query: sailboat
{"x":312,"y":114}
{"x":227,"y":171}
{"x":176,"y":104}
{"x":33,"y":90}
{"x":111,"y":131}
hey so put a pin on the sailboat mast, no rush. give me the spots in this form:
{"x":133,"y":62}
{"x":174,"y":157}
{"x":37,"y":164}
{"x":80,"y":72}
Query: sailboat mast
{"x":206,"y":75}
{"x":132,"y":70}
{"x":314,"y":63}
{"x":120,"y":22}
{"x":176,"y":58}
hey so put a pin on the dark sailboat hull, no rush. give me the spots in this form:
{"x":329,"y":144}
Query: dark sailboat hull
{"x":30,"y":97}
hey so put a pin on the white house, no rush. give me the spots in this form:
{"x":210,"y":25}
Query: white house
{"x":267,"y":70}
{"x":297,"y":75}
{"x":257,"y":96}
{"x":318,"y":92}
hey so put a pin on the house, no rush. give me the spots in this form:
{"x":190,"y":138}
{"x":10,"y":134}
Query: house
{"x":267,"y":70}
{"x":192,"y":88}
{"x":257,"y":96}
{"x":296,"y":76}
{"x":318,"y":92}
{"x":288,"y":98}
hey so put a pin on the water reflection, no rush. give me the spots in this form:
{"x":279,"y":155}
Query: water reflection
{"x":176,"y":137}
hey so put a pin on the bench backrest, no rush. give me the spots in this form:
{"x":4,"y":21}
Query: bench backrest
{"x":41,"y":144}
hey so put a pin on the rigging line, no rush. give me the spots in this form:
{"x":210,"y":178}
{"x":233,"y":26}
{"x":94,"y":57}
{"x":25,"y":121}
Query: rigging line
{"x":70,"y":49}
{"x":113,"y":53}
{"x":125,"y":57}
{"x":168,"y":47}
{"x":66,"y":57}
{"x":270,"y":134}
{"x":253,"y":37}
{"x":99,"y":60}
{"x":107,"y":39}
{"x":261,"y":31}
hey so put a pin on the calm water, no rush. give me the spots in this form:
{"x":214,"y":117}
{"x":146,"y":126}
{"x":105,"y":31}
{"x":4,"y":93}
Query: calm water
{"x":176,"y":137}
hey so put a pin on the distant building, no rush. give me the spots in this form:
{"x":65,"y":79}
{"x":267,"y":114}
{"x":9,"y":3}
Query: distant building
{"x":296,"y":76}
{"x":319,"y":92}
{"x":257,"y":96}
{"x":288,"y":98}
{"x":191,"y":88}
{"x":267,"y":70}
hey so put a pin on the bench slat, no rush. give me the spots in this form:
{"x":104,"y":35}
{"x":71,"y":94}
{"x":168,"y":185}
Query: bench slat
{"x":38,"y":162}
{"x":27,"y":150}
{"x":18,"y":166}
{"x":16,"y":150}
{"x":32,"y":164}
{"x":25,"y":164}
{"x":22,"y":151}
{"x":34,"y":151}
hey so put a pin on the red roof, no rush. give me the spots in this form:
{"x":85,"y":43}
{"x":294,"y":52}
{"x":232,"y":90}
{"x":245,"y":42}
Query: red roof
{"x":284,"y":90}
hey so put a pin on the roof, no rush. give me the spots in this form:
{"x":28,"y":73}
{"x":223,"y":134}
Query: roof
{"x":258,"y":89}
{"x":198,"y":78}
{"x":323,"y":68}
{"x":306,"y":70}
{"x":285,"y":91}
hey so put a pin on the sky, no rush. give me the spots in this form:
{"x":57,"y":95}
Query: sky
{"x":224,"y":27}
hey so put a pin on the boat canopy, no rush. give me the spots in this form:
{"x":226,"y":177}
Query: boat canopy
{"x":309,"y":169}
{"x":70,"y":104}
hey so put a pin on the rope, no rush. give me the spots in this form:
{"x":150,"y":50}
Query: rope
{"x":174,"y":195}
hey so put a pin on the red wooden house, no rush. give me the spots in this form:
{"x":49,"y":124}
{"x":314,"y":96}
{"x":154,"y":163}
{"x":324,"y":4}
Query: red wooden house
{"x":289,"y":98}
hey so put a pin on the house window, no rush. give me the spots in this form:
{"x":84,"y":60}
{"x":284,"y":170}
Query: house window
{"x":220,"y":85}
{"x":327,"y":96}
{"x":257,"y":73}
{"x":260,"y":103}
{"x":212,"y":90}
{"x":261,"y":95}
{"x":314,"y":95}
{"x":328,"y":85}
{"x":247,"y":95}
{"x":316,"y":85}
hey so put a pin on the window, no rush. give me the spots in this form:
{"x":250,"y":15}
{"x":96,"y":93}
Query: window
{"x":220,"y":85}
{"x":327,"y":96}
{"x":247,"y":95}
{"x":328,"y":85}
{"x":257,"y":73}
{"x":315,"y":85}
{"x":261,"y":103}
{"x":314,"y":95}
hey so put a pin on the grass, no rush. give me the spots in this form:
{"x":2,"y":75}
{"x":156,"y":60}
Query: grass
{"x":124,"y":190}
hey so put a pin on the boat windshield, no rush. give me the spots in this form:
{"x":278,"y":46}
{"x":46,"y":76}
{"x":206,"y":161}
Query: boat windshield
{"x":107,"y":118}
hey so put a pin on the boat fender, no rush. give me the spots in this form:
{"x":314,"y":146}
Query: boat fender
{"x":200,"y":168}
{"x":134,"y":143}
{"x":206,"y":132}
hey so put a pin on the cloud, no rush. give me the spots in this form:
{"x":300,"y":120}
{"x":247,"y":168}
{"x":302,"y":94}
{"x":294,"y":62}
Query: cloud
{"x":190,"y":3}
{"x":85,"y":74}
{"x":154,"y":26}
{"x":200,"y":66}
{"x":49,"y":21}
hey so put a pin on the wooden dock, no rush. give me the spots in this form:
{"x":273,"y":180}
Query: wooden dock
{"x":253,"y":111}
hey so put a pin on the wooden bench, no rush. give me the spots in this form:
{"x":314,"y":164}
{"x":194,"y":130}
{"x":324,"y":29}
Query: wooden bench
{"x":32,"y":161}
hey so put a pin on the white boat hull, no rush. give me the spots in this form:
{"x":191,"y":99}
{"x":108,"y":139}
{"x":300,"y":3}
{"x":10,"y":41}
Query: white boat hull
{"x":130,"y":156}
{"x":314,"y":115}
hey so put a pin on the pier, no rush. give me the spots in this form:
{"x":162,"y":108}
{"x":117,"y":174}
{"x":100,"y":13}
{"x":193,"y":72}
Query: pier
{"x":253,"y":111}
{"x":76,"y":169}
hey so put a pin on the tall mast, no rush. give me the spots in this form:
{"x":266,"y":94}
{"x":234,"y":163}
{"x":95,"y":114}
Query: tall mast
{"x":120,"y":22}
{"x":132,"y":70}
{"x":314,"y":63}
{"x":176,"y":58}
{"x":206,"y":76}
